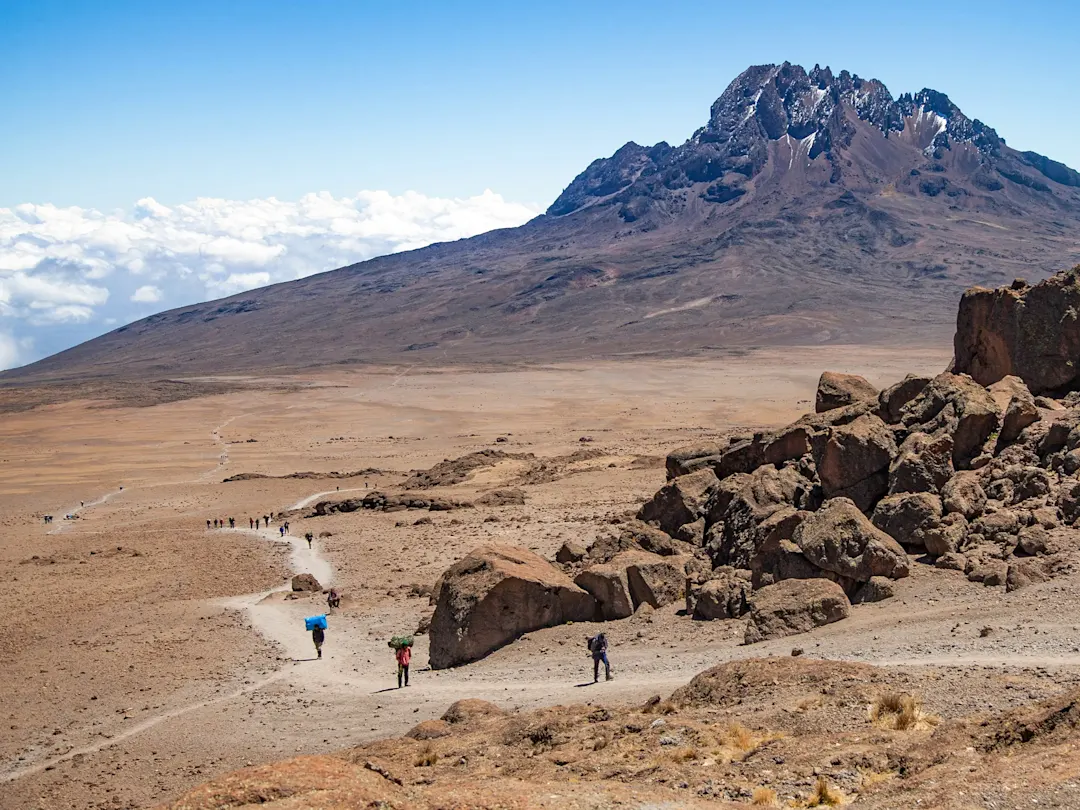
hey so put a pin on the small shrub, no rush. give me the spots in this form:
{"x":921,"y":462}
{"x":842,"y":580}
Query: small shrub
{"x":685,"y":754}
{"x":427,"y":758}
{"x":764,"y":797}
{"x":901,"y":711}
{"x":824,"y":795}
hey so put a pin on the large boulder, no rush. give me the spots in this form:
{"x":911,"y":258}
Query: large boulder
{"x":725,"y":596}
{"x":1020,"y":412}
{"x":1031,"y":332}
{"x":835,"y":390}
{"x":892,"y":399}
{"x":653,"y":580}
{"x":794,"y":606}
{"x":608,"y":586}
{"x":680,"y":501}
{"x":853,"y":460}
{"x":839,"y":538}
{"x":907,"y":516}
{"x":493,"y":596}
{"x":922,"y":464}
{"x":964,"y":494}
{"x":305,"y":582}
{"x":694,"y":457}
{"x":957,"y":405}
{"x":743,"y":503}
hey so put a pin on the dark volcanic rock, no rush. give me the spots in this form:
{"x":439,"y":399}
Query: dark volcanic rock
{"x":835,"y":390}
{"x":794,"y":606}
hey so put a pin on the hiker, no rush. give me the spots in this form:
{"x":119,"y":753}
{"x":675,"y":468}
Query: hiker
{"x":334,"y":599}
{"x":266,"y":520}
{"x":208,"y":523}
{"x":309,"y":537}
{"x":318,"y":636}
{"x":256,"y":524}
{"x":232,"y":523}
{"x":403,"y":654}
{"x":251,"y":523}
{"x":286,"y":527}
{"x":215,"y":523}
{"x":281,"y":530}
{"x":598,"y":648}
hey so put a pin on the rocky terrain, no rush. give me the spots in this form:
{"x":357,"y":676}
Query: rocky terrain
{"x":812,"y":207}
{"x":942,"y":479}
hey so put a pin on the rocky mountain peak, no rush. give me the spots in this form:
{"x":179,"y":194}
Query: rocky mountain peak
{"x":785,"y":113}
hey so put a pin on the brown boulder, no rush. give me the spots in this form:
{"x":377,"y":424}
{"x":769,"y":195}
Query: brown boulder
{"x":651,"y":539}
{"x":877,"y":589}
{"x":922,"y":464}
{"x":608,"y":586}
{"x":1006,"y":388}
{"x":964,"y":494}
{"x":794,"y":606}
{"x":653,"y":580}
{"x":1019,"y":414}
{"x":682,"y":500}
{"x":686,"y":460}
{"x":725,"y":596}
{"x":496,"y":594}
{"x":905,"y":517}
{"x":835,"y":390}
{"x":305,"y":582}
{"x":957,"y":405}
{"x":1031,"y":332}
{"x":892,"y":399}
{"x":839,"y":538}
{"x":1022,"y":573}
{"x":854,"y":460}
{"x":946,"y":535}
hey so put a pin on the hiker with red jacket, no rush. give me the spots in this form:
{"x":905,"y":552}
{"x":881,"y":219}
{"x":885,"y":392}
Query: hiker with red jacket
{"x":404,"y":656}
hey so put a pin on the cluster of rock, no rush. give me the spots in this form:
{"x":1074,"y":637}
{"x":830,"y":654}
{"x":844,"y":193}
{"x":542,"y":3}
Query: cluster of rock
{"x":979,"y":478}
{"x":789,"y":528}
{"x":384,"y":502}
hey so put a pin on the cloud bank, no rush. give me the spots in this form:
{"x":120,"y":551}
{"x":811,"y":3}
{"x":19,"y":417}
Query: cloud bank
{"x":68,"y":274}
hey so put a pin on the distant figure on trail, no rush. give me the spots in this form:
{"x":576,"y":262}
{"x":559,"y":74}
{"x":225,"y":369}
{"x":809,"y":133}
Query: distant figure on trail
{"x":334,"y":599}
{"x":82,"y":503}
{"x":318,"y":636}
{"x":266,"y":520}
{"x":598,"y":646}
{"x":282,"y":530}
{"x":403,"y":654}
{"x":208,"y":523}
{"x":215,"y":523}
{"x":251,"y":523}
{"x":256,"y":524}
{"x":232,"y":523}
{"x":309,"y":537}
{"x":286,"y":527}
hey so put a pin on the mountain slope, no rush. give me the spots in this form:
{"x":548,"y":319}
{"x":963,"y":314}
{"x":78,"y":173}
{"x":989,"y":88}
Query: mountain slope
{"x":811,"y":207}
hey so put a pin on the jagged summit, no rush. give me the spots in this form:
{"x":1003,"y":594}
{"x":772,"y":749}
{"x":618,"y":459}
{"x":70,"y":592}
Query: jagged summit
{"x":787,"y":114}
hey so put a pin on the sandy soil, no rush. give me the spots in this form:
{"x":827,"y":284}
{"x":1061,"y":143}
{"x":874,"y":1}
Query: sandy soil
{"x":143,"y":654}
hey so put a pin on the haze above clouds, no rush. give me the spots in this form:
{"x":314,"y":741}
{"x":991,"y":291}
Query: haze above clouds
{"x":68,"y":274}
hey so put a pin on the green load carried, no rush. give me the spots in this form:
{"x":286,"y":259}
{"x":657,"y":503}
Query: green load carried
{"x":398,"y":642}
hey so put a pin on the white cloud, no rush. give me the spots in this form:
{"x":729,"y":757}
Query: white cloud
{"x":146,"y":294}
{"x":92,"y":269}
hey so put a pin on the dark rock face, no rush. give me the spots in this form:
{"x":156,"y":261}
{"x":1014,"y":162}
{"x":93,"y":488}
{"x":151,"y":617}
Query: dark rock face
{"x":1031,"y":332}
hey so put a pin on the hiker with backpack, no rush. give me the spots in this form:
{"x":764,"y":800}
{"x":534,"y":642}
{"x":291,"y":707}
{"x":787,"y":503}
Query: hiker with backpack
{"x":598,"y":646}
{"x":402,"y":647}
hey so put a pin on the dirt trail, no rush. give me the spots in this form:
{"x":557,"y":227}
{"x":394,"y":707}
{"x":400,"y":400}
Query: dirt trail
{"x":310,"y":499}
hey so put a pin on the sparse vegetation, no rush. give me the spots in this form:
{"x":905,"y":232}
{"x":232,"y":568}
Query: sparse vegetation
{"x":765,"y":797}
{"x":824,"y":795}
{"x":427,"y":758}
{"x":900,"y":711}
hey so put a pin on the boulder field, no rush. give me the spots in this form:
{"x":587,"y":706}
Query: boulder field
{"x":970,"y":471}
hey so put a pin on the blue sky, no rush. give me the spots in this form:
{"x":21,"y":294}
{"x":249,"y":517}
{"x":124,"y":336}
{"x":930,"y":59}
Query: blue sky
{"x":107,"y":104}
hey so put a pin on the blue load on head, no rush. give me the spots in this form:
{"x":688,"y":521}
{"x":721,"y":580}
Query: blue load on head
{"x":311,"y":622}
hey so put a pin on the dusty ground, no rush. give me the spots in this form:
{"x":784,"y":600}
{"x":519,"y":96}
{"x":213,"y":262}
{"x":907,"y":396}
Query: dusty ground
{"x":143,"y":654}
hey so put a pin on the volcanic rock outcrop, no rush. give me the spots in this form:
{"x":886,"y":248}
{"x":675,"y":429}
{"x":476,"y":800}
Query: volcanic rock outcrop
{"x":1032,"y":332}
{"x":493,"y":596}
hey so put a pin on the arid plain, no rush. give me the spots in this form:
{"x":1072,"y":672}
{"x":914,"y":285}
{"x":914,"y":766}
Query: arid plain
{"x":142,"y":654}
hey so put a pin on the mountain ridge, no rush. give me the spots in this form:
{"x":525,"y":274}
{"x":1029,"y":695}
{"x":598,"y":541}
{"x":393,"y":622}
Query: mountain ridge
{"x":812,"y":207}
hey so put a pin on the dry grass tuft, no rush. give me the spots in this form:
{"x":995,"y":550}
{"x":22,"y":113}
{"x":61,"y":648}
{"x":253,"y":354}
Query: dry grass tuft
{"x":901,"y":711}
{"x":685,"y":754}
{"x":765,"y":797}
{"x":824,"y":795}
{"x":737,"y":742}
{"x":427,"y":758}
